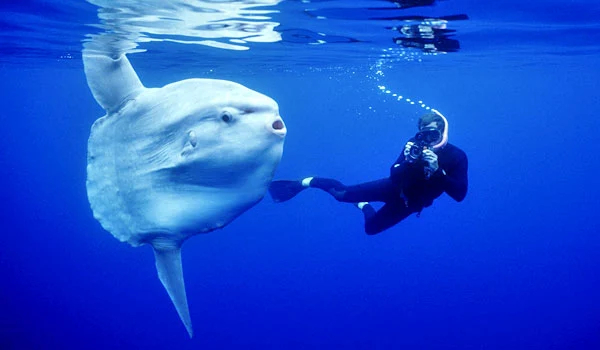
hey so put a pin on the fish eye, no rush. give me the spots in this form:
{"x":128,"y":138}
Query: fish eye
{"x":226,"y":117}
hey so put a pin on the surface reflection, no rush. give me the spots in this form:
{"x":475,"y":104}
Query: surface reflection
{"x":430,"y":35}
{"x":405,"y":4}
{"x":426,"y":34}
{"x":228,"y":25}
{"x":341,"y":30}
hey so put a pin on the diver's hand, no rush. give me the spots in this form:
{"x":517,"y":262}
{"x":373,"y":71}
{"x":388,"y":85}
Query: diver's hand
{"x":432,"y":160}
{"x":407,"y":147}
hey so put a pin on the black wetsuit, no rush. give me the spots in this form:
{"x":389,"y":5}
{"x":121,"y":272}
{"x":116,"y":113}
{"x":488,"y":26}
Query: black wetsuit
{"x":407,"y":190}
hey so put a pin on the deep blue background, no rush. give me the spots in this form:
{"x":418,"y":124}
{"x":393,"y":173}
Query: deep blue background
{"x":512,"y":267}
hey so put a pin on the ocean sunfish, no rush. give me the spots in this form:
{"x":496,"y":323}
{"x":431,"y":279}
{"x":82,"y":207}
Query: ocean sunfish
{"x":167,"y":163}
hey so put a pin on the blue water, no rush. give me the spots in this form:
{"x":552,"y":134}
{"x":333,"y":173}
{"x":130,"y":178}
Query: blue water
{"x":514,"y":266}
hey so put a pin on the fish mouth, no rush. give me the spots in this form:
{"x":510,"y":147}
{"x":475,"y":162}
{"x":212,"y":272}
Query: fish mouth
{"x":278,"y":127}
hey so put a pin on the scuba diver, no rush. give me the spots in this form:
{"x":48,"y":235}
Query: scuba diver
{"x":427,"y":167}
{"x":405,"y":4}
{"x":441,"y":43}
{"x":428,"y":34}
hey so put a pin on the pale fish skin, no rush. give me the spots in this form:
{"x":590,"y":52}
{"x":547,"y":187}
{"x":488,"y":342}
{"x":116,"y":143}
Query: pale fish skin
{"x":167,"y":163}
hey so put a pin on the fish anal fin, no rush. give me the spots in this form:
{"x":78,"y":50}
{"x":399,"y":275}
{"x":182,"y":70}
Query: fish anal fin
{"x":170,"y":273}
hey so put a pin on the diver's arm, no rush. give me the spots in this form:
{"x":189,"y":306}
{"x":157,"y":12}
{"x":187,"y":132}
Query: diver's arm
{"x":398,"y":169}
{"x":455,"y":180}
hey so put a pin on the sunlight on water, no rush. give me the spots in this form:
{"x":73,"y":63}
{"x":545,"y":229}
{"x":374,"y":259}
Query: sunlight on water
{"x":224,"y":25}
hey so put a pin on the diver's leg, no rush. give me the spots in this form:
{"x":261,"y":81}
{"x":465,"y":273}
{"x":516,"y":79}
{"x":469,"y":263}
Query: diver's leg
{"x":378,"y":191}
{"x":367,"y":209}
{"x":382,"y":190}
{"x":331,"y":186}
{"x":389,"y":215}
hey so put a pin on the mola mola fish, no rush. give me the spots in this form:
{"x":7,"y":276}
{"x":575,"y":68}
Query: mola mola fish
{"x":167,"y":163}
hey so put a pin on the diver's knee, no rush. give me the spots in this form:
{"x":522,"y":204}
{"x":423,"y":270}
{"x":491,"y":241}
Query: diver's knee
{"x":337,"y":194}
{"x":371,"y":229}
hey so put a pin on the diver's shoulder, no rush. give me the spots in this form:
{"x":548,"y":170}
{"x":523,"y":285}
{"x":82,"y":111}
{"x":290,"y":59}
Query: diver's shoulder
{"x":455,"y":150}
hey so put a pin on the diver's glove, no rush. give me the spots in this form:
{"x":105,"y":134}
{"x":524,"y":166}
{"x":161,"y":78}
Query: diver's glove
{"x":432,"y":162}
{"x":407,"y":148}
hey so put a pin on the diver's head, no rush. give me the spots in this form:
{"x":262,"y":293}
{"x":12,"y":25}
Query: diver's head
{"x":432,"y":120}
{"x":434,"y":126}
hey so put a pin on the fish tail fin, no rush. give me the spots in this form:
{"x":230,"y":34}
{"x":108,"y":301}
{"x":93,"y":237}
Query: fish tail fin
{"x":170,"y":273}
{"x":283,"y":190}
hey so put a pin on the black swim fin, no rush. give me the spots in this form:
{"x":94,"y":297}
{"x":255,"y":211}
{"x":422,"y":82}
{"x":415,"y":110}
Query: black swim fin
{"x":283,"y":190}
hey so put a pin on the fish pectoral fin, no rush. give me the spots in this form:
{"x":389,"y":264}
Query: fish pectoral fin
{"x":170,"y":273}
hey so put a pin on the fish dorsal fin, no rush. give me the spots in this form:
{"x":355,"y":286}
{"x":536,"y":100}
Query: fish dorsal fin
{"x":112,"y":81}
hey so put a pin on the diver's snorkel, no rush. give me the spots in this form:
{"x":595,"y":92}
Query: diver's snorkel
{"x":444,"y":140}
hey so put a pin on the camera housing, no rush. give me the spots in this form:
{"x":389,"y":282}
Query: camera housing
{"x":423,"y":139}
{"x":416,"y":151}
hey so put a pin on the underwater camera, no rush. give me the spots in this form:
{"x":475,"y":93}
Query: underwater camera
{"x":423,"y":139}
